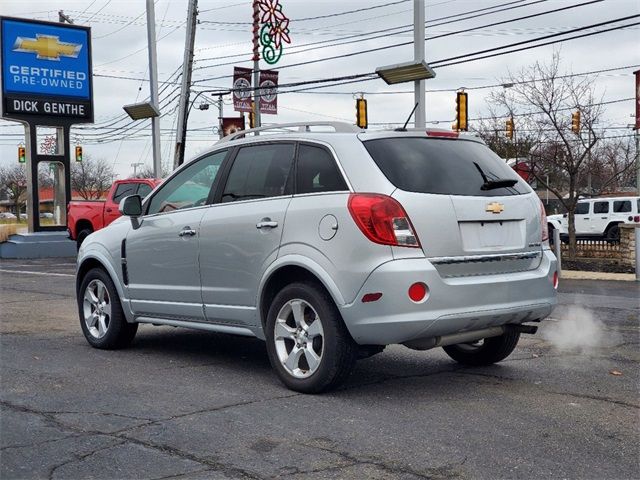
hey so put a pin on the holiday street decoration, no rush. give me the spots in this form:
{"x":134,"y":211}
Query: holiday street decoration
{"x":275,"y":29}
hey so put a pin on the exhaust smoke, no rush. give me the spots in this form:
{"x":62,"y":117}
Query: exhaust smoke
{"x":575,"y":329}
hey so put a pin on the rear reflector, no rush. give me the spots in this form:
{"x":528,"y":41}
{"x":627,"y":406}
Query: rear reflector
{"x":445,"y":134}
{"x":382,"y":220}
{"x":371,"y":297}
{"x":418,"y":292}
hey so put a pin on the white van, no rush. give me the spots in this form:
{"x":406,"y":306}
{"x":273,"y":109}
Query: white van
{"x":598,"y":217}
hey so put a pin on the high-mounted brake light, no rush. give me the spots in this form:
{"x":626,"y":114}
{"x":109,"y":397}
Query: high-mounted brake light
{"x":543,"y":219}
{"x":382,"y":220}
{"x":439,"y":133}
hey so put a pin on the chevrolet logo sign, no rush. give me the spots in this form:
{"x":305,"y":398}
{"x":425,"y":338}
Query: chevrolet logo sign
{"x":47,"y":47}
{"x":494,"y":207}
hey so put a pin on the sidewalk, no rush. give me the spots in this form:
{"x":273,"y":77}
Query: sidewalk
{"x":579,"y":275}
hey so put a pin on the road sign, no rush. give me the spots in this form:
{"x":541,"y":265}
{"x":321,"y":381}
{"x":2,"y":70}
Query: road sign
{"x":46,"y":70}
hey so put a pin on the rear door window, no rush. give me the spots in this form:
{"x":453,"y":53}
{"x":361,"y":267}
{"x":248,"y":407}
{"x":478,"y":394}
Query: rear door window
{"x":124,"y":190}
{"x":622,"y":206}
{"x":317,"y":171}
{"x":582,"y":208}
{"x":442,"y":166}
{"x":601,"y":207}
{"x":260,"y":171}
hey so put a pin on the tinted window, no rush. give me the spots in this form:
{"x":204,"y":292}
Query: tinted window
{"x":601,"y":207}
{"x":260,"y":171}
{"x":317,"y":171}
{"x":144,"y":190}
{"x":190,"y":188}
{"x":450,"y":167}
{"x":582,"y":208}
{"x":622,"y":206}
{"x":124,"y":190}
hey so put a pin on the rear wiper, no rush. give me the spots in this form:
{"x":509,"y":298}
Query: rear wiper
{"x":497,"y":183}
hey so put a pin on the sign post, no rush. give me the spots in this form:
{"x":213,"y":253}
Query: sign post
{"x":46,"y":82}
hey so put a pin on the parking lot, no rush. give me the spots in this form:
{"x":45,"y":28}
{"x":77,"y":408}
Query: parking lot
{"x":191,"y":404}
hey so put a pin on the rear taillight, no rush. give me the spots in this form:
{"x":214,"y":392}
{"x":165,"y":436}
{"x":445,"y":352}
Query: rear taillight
{"x":556,"y":280}
{"x":382,"y":220}
{"x":544,"y":226}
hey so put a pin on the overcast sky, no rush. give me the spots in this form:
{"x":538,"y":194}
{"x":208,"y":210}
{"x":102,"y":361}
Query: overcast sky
{"x":120,"y":61}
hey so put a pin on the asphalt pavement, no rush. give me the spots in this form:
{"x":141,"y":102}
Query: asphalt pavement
{"x":190,"y":404}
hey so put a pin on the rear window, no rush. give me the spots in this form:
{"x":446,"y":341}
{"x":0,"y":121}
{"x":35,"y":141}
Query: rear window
{"x":441,"y":166}
{"x":601,"y":207}
{"x":622,"y":206}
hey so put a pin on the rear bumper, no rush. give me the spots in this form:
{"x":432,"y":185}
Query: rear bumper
{"x":456,"y":304}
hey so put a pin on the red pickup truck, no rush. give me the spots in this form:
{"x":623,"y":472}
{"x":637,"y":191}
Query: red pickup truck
{"x":87,"y":216}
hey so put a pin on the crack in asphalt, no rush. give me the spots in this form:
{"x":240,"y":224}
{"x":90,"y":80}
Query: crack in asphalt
{"x":50,"y":417}
{"x":552,"y":392}
{"x":447,"y":471}
{"x":80,"y":457}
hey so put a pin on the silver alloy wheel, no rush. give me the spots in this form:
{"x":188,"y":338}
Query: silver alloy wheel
{"x":299,"y":338}
{"x":96,"y":307}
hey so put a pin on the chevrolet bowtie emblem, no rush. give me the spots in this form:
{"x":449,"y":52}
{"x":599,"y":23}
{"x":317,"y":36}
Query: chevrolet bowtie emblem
{"x":494,"y":207}
{"x":47,"y":47}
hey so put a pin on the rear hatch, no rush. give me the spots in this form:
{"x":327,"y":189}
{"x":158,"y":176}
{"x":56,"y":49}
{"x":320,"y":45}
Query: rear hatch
{"x":472,"y":213}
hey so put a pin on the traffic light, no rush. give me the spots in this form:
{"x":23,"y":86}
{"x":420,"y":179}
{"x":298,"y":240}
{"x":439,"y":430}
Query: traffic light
{"x":78,"y":153}
{"x":361,"y":113}
{"x":252,"y":115}
{"x":22,"y":154}
{"x":509,"y":128}
{"x":575,"y":122}
{"x":461,"y":112}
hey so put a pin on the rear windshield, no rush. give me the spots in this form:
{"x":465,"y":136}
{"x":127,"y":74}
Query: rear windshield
{"x":450,"y":167}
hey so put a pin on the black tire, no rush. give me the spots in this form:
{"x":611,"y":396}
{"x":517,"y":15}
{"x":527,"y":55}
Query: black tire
{"x":82,"y":236}
{"x":119,"y":333}
{"x":612,"y":235}
{"x":338,"y":352}
{"x":492,"y":350}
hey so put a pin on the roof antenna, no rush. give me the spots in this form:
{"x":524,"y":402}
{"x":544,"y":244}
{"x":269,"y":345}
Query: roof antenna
{"x":404,"y":127}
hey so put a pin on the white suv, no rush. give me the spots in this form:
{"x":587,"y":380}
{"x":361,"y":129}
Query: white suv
{"x":329,"y":246}
{"x":599,"y":217}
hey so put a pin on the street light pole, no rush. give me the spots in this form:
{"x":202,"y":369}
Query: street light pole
{"x":153,"y":84}
{"x":418,"y":49}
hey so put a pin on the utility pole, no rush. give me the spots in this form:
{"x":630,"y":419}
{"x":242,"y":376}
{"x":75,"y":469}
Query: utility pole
{"x":220,"y":116}
{"x":153,"y":85}
{"x":256,"y":61}
{"x":418,"y":49}
{"x":185,"y":91}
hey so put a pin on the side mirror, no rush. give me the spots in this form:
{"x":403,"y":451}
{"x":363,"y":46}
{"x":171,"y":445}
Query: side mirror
{"x":131,"y":206}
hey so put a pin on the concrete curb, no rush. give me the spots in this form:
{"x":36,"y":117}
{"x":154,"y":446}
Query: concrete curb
{"x":579,"y":275}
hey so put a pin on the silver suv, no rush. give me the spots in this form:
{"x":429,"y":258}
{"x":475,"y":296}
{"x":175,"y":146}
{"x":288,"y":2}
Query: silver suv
{"x":329,"y":245}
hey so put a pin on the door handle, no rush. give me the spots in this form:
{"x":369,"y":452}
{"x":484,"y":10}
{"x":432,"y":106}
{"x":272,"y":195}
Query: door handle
{"x":603,"y":218}
{"x":108,"y":210}
{"x":266,"y":223}
{"x":187,"y":232}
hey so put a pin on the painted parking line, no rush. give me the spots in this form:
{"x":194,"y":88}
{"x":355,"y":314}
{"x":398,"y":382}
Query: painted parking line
{"x":38,"y":273}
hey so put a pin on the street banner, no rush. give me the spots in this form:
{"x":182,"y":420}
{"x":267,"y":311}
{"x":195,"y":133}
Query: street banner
{"x":268,"y":92}
{"x":46,"y":70}
{"x":242,"y":89}
{"x":231,"y":125}
{"x":637,"y":73}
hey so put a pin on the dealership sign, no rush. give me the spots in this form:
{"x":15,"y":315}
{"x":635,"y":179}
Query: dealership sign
{"x":46,"y":70}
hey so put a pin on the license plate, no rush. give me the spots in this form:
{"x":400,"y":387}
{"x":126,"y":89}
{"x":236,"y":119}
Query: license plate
{"x":492,"y":235}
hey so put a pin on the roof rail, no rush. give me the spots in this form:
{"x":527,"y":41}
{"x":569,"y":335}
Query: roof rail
{"x":339,"y":127}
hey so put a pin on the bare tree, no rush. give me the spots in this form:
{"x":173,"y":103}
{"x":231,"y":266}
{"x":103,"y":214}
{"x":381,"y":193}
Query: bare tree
{"x":13,"y":180}
{"x":541,"y":99}
{"x":147,"y":172}
{"x":91,"y":178}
